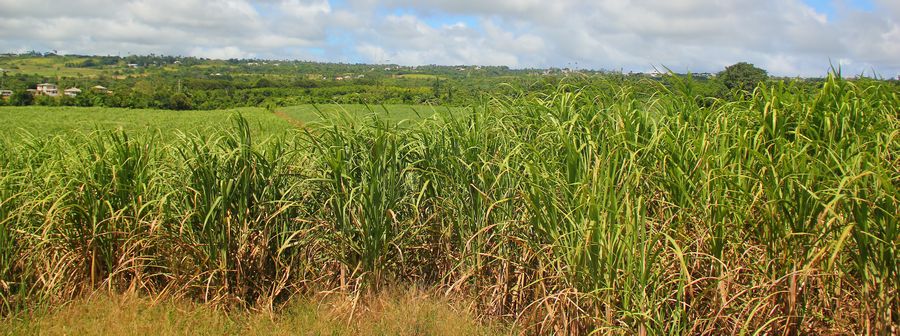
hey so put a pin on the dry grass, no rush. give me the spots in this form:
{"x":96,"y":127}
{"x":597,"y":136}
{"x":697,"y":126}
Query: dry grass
{"x":391,"y":312}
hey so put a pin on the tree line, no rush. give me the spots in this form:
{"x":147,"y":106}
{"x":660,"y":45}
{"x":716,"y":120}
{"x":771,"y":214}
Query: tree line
{"x":198,"y":84}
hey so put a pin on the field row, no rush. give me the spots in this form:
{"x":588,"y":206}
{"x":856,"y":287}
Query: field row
{"x":16,"y":122}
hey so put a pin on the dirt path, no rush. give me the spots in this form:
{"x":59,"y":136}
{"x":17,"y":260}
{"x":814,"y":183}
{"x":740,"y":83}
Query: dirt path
{"x":296,"y":123}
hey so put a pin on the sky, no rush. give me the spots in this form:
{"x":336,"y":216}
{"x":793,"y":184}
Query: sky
{"x":785,"y":37}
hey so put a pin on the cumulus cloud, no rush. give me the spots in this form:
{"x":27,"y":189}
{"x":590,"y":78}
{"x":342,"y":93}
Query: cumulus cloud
{"x":219,"y":53}
{"x":216,"y":29}
{"x":788,"y":37}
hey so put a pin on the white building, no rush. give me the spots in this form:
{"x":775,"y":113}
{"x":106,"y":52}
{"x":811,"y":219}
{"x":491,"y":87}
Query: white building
{"x":47,"y":89}
{"x":72,"y":92}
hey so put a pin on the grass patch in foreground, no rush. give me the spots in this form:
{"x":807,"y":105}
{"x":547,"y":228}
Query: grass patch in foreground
{"x":409,"y":312}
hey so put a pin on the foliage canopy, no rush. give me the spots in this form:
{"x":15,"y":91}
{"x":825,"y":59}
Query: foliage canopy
{"x":743,"y":76}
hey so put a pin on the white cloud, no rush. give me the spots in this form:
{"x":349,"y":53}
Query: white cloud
{"x":218,"y":28}
{"x":786,"y":36}
{"x":408,"y":40}
{"x":220,"y":53}
{"x":305,"y":9}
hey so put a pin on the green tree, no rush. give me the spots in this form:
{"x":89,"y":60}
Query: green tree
{"x":44,"y":100}
{"x":263,"y":83}
{"x":743,"y":76}
{"x":180,"y":101}
{"x":21,"y":98}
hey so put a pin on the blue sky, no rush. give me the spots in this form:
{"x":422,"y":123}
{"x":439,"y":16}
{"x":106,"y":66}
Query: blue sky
{"x":787,"y":37}
{"x":831,"y":7}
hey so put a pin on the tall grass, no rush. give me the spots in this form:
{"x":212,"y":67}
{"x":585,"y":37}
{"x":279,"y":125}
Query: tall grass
{"x":238,"y":225}
{"x":365,"y":176}
{"x":590,"y":209}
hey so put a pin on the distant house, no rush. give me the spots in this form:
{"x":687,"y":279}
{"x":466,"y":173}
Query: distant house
{"x":47,"y":89}
{"x":100,"y":89}
{"x":132,"y":65}
{"x":72,"y":92}
{"x":5,"y":94}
